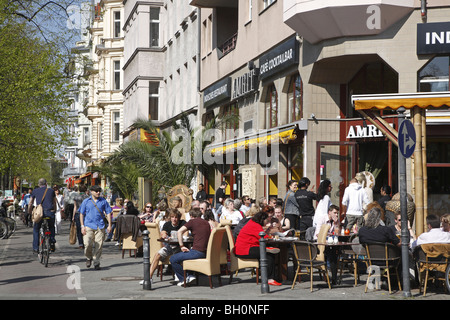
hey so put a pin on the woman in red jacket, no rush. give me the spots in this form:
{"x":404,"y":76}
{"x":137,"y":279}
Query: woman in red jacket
{"x":247,"y":244}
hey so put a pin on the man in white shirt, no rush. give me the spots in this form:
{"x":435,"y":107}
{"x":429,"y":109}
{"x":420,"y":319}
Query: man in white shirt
{"x":434,"y":235}
{"x":354,"y":200}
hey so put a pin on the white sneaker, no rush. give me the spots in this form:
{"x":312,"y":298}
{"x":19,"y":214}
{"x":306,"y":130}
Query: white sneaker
{"x":176,"y":278}
{"x":142,"y":282}
{"x":190,"y":278}
{"x":180,"y":284}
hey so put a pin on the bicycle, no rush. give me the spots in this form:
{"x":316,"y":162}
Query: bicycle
{"x":44,"y":242}
{"x":7,"y":225}
{"x":4,"y":230}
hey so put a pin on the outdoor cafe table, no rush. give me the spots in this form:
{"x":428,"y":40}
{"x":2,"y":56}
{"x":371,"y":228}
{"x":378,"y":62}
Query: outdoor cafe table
{"x":188,"y":242}
{"x":284,"y":243}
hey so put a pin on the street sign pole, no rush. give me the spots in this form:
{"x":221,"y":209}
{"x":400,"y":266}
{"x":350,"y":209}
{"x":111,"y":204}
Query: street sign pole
{"x":403,"y":208}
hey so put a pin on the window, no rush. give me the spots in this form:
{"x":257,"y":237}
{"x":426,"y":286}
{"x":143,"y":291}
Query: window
{"x":295,"y":99}
{"x":116,"y":126}
{"x":434,"y":76}
{"x":86,"y":139}
{"x":100,"y":136}
{"x":153,"y":100}
{"x":117,"y":75}
{"x":154,"y":27}
{"x":267,"y":3}
{"x":232,"y":126}
{"x":272,"y":107}
{"x":117,"y":27}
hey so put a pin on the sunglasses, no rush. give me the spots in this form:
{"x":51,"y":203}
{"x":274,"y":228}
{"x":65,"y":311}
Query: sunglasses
{"x":148,"y":206}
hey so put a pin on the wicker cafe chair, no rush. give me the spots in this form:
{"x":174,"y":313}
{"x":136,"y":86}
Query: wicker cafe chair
{"x":351,"y":254}
{"x":306,"y":255}
{"x":434,"y":257}
{"x":155,"y":246}
{"x":386,"y":256}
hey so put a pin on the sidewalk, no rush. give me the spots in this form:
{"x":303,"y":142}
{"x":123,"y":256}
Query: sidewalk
{"x":23,"y":277}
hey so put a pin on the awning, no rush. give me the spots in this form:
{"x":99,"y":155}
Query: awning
{"x":85,"y":175}
{"x":394,"y":101}
{"x":283,"y":136}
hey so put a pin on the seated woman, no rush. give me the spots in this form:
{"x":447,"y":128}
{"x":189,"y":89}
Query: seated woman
{"x":373,"y":231}
{"x":131,"y":209}
{"x":247,"y":244}
{"x":284,"y":222}
{"x":147,"y":215}
{"x":229,"y":213}
{"x":209,"y":216}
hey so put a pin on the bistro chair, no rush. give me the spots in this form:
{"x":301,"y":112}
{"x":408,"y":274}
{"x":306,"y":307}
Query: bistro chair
{"x":211,"y":264}
{"x":431,"y":258}
{"x":155,"y":245}
{"x":306,"y":254}
{"x":352,"y":255}
{"x":237,"y":263}
{"x":128,"y":231}
{"x":386,"y":256}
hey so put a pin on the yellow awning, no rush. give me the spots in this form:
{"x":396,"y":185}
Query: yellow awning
{"x":422,"y":100}
{"x":265,"y":139}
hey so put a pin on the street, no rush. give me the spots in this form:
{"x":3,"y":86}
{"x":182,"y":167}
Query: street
{"x":67,"y":278}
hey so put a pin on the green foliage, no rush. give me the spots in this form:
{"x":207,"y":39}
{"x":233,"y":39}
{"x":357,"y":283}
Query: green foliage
{"x":33,"y":103}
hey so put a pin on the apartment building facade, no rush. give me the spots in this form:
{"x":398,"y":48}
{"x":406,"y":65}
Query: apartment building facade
{"x":311,"y":57}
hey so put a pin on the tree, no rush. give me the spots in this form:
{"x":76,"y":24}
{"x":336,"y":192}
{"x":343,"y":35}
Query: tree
{"x":33,"y":103}
{"x":155,"y":161}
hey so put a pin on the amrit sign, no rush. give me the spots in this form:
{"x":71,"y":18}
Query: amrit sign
{"x":433,"y":38}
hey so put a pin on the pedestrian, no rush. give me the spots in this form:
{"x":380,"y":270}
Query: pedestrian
{"x":220,"y":194}
{"x":25,"y":204}
{"x":305,"y":204}
{"x":77,"y":201}
{"x":354,"y":200}
{"x":46,"y":197}
{"x":59,"y":209}
{"x":290,"y":204}
{"x":324,"y":202}
{"x":385,"y":192}
{"x":201,"y":194}
{"x":93,"y":212}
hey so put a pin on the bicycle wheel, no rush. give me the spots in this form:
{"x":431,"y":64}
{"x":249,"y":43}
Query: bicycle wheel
{"x":3,"y":229}
{"x":41,"y":246}
{"x":45,"y":250}
{"x":447,"y":278}
{"x":11,"y":225}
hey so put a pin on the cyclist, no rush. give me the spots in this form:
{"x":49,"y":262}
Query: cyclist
{"x":49,"y":205}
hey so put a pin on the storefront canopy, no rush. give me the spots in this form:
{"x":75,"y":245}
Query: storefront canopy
{"x":424,"y":100}
{"x":283,"y":136}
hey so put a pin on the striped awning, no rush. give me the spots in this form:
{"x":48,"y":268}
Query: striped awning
{"x":276,"y":136}
{"x":424,"y":100}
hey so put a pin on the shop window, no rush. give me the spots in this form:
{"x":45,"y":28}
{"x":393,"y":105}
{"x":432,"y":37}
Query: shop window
{"x":434,"y":75}
{"x":295,"y":99}
{"x":438,"y":159}
{"x":272,"y":107}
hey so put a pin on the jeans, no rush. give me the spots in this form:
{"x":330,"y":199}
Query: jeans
{"x":177,"y":261}
{"x":76,"y":219}
{"x":37,"y":227}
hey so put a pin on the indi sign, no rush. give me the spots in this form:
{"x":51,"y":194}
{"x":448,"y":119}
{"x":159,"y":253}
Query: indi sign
{"x":433,"y":38}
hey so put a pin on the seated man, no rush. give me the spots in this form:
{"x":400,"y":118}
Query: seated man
{"x":174,"y":224}
{"x":332,"y":219}
{"x":434,"y":235}
{"x":201,"y":231}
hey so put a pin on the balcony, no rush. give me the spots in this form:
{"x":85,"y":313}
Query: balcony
{"x":214,"y":3}
{"x":317,"y":20}
{"x":228,"y":46}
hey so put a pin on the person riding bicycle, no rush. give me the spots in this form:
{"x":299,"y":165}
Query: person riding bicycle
{"x":49,"y":205}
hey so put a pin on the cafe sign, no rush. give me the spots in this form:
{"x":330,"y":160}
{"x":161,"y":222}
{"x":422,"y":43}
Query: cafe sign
{"x":369,"y":131}
{"x":433,"y":38}
{"x":245,"y":84}
{"x":218,"y":92}
{"x":278,"y":59}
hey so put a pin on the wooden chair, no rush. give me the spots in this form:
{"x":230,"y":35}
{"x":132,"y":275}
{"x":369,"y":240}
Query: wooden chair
{"x":129,"y":244}
{"x":306,"y":254}
{"x":211,"y":264}
{"x":132,"y":224}
{"x":434,"y":258}
{"x":322,"y":238}
{"x":239,"y":263}
{"x":155,"y":245}
{"x":386,"y":256}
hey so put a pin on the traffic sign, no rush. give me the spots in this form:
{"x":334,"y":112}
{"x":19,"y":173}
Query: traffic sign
{"x":406,"y":138}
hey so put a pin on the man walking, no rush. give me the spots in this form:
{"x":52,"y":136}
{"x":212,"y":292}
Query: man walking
{"x":92,"y":213}
{"x":46,"y":197}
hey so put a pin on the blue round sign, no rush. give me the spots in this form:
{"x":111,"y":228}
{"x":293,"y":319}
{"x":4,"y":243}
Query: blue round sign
{"x":406,"y":138}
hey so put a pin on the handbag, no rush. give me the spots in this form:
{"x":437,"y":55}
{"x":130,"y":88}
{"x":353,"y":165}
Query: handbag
{"x":38,"y":211}
{"x":73,"y":233}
